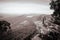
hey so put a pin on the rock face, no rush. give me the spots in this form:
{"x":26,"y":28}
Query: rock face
{"x":30,"y":28}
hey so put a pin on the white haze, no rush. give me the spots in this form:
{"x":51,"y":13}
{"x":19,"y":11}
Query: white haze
{"x":16,"y":8}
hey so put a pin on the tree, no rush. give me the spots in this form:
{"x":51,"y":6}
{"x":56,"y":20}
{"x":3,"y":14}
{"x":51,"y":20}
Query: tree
{"x":4,"y":25}
{"x":55,"y":5}
{"x":4,"y":30}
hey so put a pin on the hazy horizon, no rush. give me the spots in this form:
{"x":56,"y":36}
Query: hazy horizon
{"x":25,"y":7}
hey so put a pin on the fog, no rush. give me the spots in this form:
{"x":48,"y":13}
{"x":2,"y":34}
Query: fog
{"x":19,"y":8}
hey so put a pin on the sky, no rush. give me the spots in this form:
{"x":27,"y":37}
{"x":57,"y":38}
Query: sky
{"x":19,"y":7}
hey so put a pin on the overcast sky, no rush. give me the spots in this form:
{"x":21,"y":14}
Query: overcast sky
{"x":18,"y":7}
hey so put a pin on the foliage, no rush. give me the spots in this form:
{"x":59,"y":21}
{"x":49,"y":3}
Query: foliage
{"x":55,"y":5}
